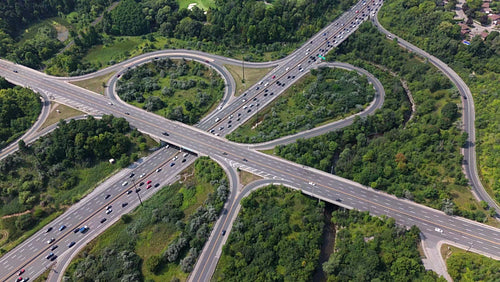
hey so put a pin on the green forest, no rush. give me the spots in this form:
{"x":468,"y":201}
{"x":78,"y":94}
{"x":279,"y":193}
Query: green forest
{"x":161,"y":239}
{"x":19,"y":109}
{"x":369,"y":248}
{"x":229,"y":26}
{"x":178,"y":90}
{"x":61,"y":167}
{"x":420,"y":159}
{"x":432,"y":28}
{"x":327,"y":94}
{"x":276,"y":237}
{"x":466,"y":266}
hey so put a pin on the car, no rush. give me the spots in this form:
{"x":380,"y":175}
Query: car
{"x":274,"y":76}
{"x":54,"y":247}
{"x":103,"y":220}
{"x":108,"y":211}
{"x":50,"y":240}
{"x":142,"y":175}
{"x":138,"y":190}
{"x":438,"y":230}
{"x":131,"y":175}
{"x":62,"y":227}
{"x":109,"y":103}
{"x":149,"y":182}
{"x":15,"y":71}
{"x":19,"y":279}
{"x":217,"y":119}
{"x":76,"y":230}
{"x":157,"y":184}
{"x":224,"y":211}
{"x":84,"y":229}
{"x":53,"y":258}
{"x":158,"y":169}
{"x":109,"y":207}
{"x":142,"y":183}
{"x":223,"y":232}
{"x":48,"y":230}
{"x":338,"y":200}
{"x":107,"y":196}
{"x":71,"y":244}
{"x":49,"y":255}
{"x":149,"y":186}
{"x":245,"y":160}
{"x":125,"y":183}
{"x":465,"y":97}
{"x":172,"y":164}
{"x":206,"y":61}
{"x":127,"y":113}
{"x":129,"y":192}
{"x":124,"y":204}
{"x":183,"y":160}
{"x":20,"y":272}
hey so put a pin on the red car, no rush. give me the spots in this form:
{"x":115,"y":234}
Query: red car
{"x":274,"y":76}
{"x":21,"y":271}
{"x":149,"y":186}
{"x":149,"y":181}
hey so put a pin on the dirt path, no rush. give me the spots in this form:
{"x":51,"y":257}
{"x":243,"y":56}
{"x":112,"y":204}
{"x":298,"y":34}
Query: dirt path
{"x":16,"y":214}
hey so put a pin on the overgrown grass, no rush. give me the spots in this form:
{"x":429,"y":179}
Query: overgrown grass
{"x":95,"y":84}
{"x":466,"y":266}
{"x":56,"y":23}
{"x":64,"y":113}
{"x":252,"y":76}
{"x":247,"y":177}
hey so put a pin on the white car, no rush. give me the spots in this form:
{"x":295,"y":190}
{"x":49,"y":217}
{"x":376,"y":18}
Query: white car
{"x":125,"y":183}
{"x":438,"y":230}
{"x":142,"y":175}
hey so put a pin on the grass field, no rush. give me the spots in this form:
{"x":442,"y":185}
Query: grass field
{"x":57,"y":23}
{"x":64,"y":113}
{"x":247,"y":177}
{"x":203,"y":4}
{"x":252,"y":76}
{"x":120,"y":49}
{"x":94,"y":84}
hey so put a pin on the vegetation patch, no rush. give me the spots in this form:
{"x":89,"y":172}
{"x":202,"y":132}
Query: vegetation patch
{"x":252,"y":76}
{"x":179,"y":90}
{"x":96,"y":84}
{"x":374,"y":249}
{"x":19,"y":109}
{"x":466,"y":266}
{"x":432,"y":28}
{"x":59,"y":169}
{"x":420,"y":159}
{"x":276,"y":236}
{"x":59,"y":112}
{"x":325,"y":95}
{"x":160,"y":240}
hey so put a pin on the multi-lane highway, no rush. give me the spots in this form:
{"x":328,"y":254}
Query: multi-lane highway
{"x":328,"y":187}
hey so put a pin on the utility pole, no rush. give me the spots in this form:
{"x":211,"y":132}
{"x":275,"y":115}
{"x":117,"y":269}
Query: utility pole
{"x":243,"y":63}
{"x":136,"y":192}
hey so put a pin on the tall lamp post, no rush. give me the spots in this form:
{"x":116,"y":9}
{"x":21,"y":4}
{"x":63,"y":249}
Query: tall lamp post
{"x":136,"y":191}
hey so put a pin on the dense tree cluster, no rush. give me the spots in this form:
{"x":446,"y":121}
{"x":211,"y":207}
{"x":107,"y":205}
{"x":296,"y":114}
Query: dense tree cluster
{"x":167,"y":211}
{"x":180,"y":90}
{"x":433,"y":29}
{"x":33,"y":177}
{"x":472,"y":267}
{"x":19,"y":109}
{"x":420,"y":161}
{"x":326,"y":94}
{"x":276,"y":237}
{"x":372,"y":249}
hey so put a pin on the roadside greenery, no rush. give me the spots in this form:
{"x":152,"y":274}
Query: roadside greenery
{"x":161,"y":239}
{"x":19,"y":109}
{"x":370,"y":248}
{"x":179,"y":90}
{"x":276,"y":237}
{"x":325,"y":95}
{"x":432,"y":28}
{"x":43,"y":179}
{"x":466,"y":266}
{"x":420,"y":159}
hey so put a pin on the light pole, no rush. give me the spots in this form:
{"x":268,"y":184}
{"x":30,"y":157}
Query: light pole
{"x":136,"y":191}
{"x":243,"y":63}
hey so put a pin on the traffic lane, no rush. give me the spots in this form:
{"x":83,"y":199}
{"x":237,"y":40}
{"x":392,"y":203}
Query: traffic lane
{"x":167,"y":177}
{"x":76,"y":213}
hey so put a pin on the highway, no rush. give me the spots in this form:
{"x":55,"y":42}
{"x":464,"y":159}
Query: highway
{"x":326,"y":186}
{"x":468,"y":117}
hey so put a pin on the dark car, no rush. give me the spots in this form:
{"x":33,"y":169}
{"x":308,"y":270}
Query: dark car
{"x":62,"y":227}
{"x":138,"y":190}
{"x":49,"y":255}
{"x":131,"y":175}
{"x":164,"y":133}
{"x":48,"y":229}
{"x":107,"y":196}
{"x":76,"y":230}
{"x":142,"y":183}
{"x":124,"y":205}
{"x":157,"y":184}
{"x":129,"y":192}
{"x":172,"y":164}
{"x":71,"y":244}
{"x":53,"y":258}
{"x":103,"y":220}
{"x":127,"y":113}
{"x":223,"y":232}
{"x":54,"y":247}
{"x":245,"y":160}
